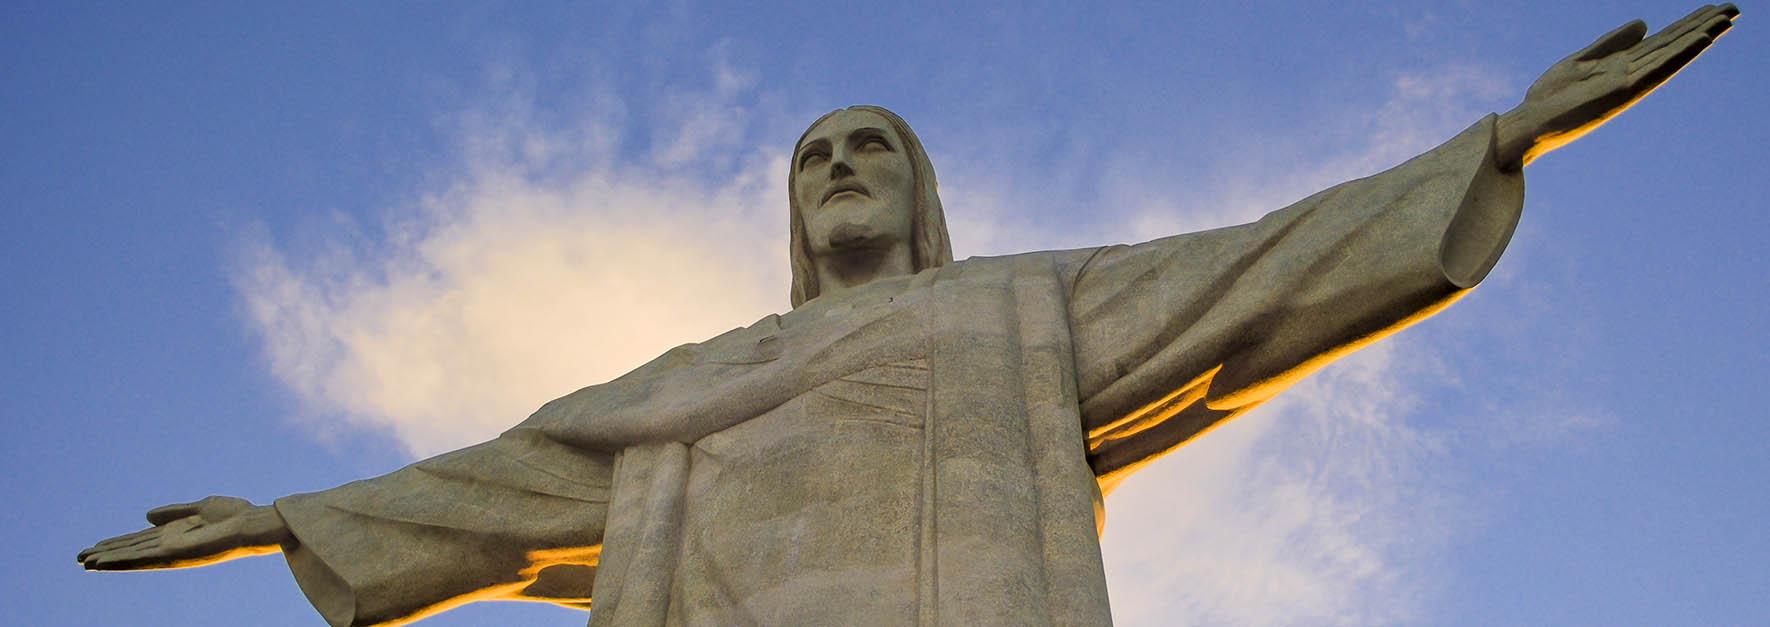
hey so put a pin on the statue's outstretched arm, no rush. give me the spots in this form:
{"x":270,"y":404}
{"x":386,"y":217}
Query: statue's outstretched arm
{"x":186,"y":535}
{"x":1585,"y":90}
{"x":520,"y":517}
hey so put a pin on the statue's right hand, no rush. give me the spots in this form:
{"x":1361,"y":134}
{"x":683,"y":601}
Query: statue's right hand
{"x":185,"y":535}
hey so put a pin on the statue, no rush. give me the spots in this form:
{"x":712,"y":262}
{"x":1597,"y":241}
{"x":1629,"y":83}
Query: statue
{"x":918,"y":440}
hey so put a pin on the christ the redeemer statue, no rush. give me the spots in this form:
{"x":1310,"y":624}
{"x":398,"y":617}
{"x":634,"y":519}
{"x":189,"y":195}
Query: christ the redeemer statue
{"x":919,"y":441}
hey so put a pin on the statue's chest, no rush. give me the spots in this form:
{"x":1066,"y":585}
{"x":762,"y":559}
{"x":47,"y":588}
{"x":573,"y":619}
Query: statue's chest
{"x":813,"y":500}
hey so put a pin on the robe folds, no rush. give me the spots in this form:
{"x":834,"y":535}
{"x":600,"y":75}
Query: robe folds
{"x":929,"y":449}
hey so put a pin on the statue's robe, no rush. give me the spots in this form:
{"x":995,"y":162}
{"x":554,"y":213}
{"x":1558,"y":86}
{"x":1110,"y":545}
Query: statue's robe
{"x":925,"y":449}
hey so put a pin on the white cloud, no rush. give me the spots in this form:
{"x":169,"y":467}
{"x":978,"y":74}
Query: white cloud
{"x":525,"y":278}
{"x":1307,"y":511}
{"x":695,"y":125}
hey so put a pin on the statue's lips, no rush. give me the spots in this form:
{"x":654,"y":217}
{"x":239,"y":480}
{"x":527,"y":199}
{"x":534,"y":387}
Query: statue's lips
{"x":843,"y":188}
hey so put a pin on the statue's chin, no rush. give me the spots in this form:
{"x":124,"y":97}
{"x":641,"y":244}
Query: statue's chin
{"x":849,"y":236}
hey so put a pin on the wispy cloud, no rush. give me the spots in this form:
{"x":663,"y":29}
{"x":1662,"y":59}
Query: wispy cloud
{"x":1307,"y":511}
{"x":521,"y":278}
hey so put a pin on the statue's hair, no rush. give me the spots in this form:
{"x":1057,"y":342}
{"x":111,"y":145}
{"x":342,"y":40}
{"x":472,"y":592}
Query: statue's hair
{"x":929,"y":245}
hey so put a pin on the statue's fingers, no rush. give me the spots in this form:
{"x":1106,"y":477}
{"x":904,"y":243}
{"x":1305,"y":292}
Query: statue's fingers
{"x":96,"y":561}
{"x":121,"y":542}
{"x":1712,"y":23}
{"x":155,"y":538}
{"x":168,"y":513}
{"x":1700,"y":20}
{"x":135,"y":558}
{"x":87,"y":553}
{"x":127,"y":538}
{"x":1684,"y":24}
{"x":1677,"y":54}
{"x":1654,"y":71}
{"x":1614,"y":41}
{"x":1713,"y":28}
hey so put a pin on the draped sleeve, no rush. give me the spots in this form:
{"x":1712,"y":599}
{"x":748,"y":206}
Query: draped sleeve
{"x":517,"y":518}
{"x":1176,"y":335}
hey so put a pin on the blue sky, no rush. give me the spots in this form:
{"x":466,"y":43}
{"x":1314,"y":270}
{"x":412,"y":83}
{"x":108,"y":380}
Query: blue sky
{"x":258,"y":251}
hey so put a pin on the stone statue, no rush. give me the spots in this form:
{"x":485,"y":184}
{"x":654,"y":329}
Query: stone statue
{"x":919,"y":441}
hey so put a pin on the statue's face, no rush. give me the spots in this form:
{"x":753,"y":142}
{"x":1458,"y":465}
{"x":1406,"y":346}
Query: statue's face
{"x":854,"y":186}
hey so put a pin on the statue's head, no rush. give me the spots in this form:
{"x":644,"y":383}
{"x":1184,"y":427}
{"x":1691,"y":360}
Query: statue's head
{"x":860,"y":182}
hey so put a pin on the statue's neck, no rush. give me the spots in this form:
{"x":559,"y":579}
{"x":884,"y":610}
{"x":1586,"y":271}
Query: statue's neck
{"x":854,"y":269}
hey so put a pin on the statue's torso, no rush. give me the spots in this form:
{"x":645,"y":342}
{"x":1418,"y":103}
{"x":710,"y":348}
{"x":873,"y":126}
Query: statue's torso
{"x":808,"y":513}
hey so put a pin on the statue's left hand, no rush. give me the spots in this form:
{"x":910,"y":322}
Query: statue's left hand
{"x":1586,"y":89}
{"x":185,"y":535}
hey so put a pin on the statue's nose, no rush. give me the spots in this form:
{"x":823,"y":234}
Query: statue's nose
{"x":839,"y":169}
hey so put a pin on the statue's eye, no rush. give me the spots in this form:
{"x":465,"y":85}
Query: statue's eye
{"x":810,"y":159}
{"x":875,"y":142}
